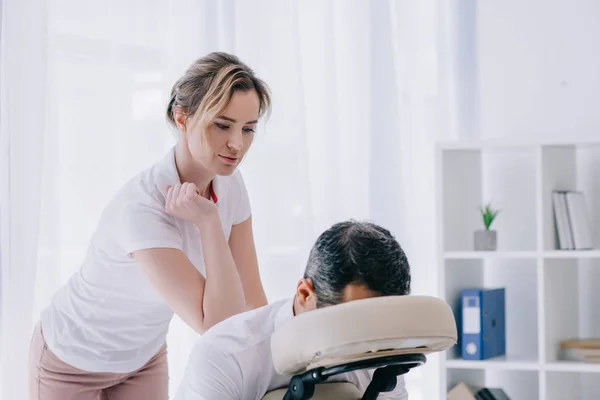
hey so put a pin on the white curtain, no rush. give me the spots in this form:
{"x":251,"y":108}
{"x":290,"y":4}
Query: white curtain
{"x":356,"y":106}
{"x":23,"y":71}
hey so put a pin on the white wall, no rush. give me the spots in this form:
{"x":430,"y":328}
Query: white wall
{"x":538,"y":68}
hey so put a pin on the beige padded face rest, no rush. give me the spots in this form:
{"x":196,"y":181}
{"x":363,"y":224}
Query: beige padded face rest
{"x":354,"y":330}
{"x":324,"y":391}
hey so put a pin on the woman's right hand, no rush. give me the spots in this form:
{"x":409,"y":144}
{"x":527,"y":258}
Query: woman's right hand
{"x":185,"y":202}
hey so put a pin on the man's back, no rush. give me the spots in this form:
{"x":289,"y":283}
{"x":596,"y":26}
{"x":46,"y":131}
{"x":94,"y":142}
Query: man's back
{"x":233,"y":359}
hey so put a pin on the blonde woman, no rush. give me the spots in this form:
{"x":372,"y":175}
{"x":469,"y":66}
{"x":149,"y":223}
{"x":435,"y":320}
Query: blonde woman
{"x":177,"y":238}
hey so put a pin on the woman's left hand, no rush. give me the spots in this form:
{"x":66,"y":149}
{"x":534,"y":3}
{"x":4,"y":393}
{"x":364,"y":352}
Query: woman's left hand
{"x":185,"y":202}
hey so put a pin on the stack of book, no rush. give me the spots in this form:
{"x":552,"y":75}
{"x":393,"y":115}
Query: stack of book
{"x":572,"y":221}
{"x":586,"y":350}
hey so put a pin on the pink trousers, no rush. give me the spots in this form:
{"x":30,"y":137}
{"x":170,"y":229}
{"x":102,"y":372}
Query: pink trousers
{"x":52,"y":379}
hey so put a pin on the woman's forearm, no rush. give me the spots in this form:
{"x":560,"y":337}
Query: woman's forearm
{"x":223,"y":292}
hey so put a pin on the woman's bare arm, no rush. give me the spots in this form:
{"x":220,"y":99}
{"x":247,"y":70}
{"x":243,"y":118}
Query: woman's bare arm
{"x":241,"y":243}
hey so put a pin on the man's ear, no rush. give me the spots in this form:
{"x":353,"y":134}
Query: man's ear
{"x":305,"y":296}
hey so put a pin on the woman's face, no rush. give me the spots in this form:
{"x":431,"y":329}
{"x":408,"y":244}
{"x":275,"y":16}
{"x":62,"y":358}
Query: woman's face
{"x":227,"y":138}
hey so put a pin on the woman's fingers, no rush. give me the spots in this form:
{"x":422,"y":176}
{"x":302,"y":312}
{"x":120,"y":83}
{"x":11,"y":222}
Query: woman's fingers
{"x":191,"y":191}
{"x":181,"y":194}
{"x":183,"y":191}
{"x":169,"y":196}
{"x":176,"y":190}
{"x":185,"y":202}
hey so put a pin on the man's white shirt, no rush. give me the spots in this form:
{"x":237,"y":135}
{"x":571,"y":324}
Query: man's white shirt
{"x":232,"y":361}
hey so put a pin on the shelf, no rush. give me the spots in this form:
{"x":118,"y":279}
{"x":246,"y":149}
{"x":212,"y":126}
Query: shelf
{"x":515,"y":363}
{"x":480,"y":255}
{"x":551,"y":294}
{"x":572,"y":254}
{"x":572,"y":366}
{"x":503,"y":363}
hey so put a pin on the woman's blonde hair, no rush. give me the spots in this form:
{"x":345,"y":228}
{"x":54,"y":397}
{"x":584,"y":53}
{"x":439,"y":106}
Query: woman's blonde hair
{"x":208,"y":85}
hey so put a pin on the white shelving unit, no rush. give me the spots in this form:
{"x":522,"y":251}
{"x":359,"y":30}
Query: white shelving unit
{"x":551,"y":295}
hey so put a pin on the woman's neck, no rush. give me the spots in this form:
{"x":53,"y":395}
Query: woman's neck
{"x":192,"y":171}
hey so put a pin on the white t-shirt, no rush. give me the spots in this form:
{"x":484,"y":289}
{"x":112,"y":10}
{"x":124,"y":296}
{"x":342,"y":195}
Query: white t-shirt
{"x":108,"y":317}
{"x":232,"y":360}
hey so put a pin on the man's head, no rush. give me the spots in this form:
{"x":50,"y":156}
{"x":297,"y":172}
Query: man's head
{"x":350,"y":261}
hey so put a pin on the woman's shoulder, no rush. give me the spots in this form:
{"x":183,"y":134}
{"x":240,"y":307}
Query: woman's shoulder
{"x":146,"y":188}
{"x":236,"y":177}
{"x":231,"y":186}
{"x":151,"y":182}
{"x":234,"y":196}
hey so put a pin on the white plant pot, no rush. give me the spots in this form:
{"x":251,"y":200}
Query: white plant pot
{"x":485,"y":240}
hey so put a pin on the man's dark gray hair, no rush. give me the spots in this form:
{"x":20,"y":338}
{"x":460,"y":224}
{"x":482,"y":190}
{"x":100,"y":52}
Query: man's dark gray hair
{"x":358,"y":253}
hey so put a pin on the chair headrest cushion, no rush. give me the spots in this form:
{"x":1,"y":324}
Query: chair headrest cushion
{"x":363,"y":329}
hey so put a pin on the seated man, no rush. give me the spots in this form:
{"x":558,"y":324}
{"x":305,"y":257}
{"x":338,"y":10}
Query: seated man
{"x":351,"y":260}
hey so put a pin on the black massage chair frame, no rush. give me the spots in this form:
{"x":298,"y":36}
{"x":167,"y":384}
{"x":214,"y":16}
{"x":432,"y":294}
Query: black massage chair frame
{"x":387,"y":369}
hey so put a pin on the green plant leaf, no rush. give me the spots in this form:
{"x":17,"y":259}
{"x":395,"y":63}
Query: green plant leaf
{"x":489,"y":215}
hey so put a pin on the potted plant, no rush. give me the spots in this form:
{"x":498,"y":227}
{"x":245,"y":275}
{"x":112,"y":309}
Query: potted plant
{"x":486,"y":239}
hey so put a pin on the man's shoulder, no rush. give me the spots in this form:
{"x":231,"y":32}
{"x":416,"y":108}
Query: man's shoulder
{"x":235,"y":355}
{"x":243,"y":332}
